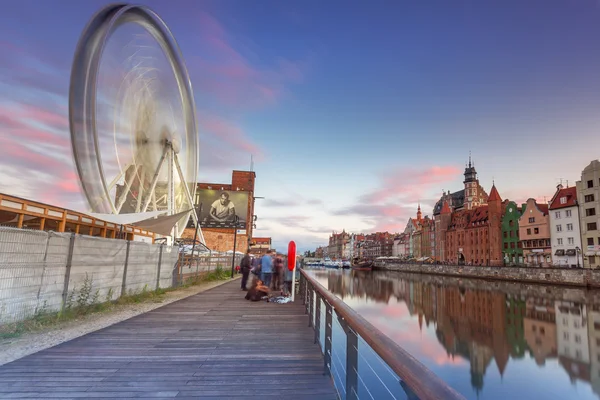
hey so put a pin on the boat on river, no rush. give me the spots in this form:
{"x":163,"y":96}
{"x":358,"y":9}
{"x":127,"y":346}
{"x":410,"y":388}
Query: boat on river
{"x":362,"y":265}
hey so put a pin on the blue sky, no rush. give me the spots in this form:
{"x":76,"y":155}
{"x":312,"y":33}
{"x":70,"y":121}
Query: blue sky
{"x":354,"y":111}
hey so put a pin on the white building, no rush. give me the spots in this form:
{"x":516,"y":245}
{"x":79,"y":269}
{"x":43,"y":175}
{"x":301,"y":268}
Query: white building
{"x":588,"y":196}
{"x":564,"y":228}
{"x":572,"y":331}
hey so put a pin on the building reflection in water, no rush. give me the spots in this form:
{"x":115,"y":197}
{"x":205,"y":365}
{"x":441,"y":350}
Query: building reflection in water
{"x":487,"y":327}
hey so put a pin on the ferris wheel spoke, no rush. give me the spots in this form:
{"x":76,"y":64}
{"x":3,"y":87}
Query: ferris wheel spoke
{"x":155,"y":181}
{"x":128,"y":183}
{"x":140,"y":191}
{"x":118,"y":177}
{"x":188,"y":195}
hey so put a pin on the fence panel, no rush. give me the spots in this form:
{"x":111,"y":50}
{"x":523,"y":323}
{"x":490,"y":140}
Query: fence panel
{"x":33,"y":270}
{"x":142,"y":267}
{"x":97,"y":268}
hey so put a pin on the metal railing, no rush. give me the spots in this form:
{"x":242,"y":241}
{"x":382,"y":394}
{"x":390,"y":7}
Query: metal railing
{"x":362,"y":361}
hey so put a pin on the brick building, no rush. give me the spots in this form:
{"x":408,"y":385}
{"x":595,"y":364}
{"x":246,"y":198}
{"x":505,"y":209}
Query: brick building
{"x":471,"y":196}
{"x":339,"y":245}
{"x":474,"y":236}
{"x":221,"y":239}
{"x":260,"y":245}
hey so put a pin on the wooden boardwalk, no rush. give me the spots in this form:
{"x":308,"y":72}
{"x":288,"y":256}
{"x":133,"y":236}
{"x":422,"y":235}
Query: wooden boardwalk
{"x":214,"y":345}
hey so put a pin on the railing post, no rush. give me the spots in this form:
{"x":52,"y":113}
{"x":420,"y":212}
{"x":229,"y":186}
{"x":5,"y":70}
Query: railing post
{"x":318,"y":319}
{"x":328,"y":337}
{"x":351,"y":365}
{"x":311,"y":302}
{"x":124,"y":283}
{"x":68,"y":272}
{"x":159,"y":265}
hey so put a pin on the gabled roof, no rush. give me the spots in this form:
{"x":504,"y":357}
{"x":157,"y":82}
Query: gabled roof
{"x":494,"y":195}
{"x":543,"y":208}
{"x":569,"y":193}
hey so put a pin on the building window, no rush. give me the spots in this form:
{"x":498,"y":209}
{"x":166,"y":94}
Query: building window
{"x":588,"y":198}
{"x":568,"y":213}
{"x":560,"y":241}
{"x":512,"y":245}
{"x":590,"y":184}
{"x":591,"y":226}
{"x":506,"y":245}
{"x":531,"y":220}
{"x":590,"y":211}
{"x":571,"y":240}
{"x":592,"y":259}
{"x":557,"y":214}
{"x":505,"y":235}
{"x":569,"y":227}
{"x":563,"y":200}
{"x":558,"y":228}
{"x":528,"y":231}
{"x":566,"y":335}
{"x":590,"y":241}
{"x":536,"y":230}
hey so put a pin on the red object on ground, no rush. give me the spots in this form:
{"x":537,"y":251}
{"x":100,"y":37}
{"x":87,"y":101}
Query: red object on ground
{"x":291,"y":255}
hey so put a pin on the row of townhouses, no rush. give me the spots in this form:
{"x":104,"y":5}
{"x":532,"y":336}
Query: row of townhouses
{"x":473,"y":227}
{"x":346,"y":246}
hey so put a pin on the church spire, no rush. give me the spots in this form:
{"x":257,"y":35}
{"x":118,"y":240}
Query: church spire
{"x":419,"y":214}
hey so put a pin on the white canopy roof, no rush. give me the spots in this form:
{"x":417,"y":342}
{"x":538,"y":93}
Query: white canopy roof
{"x":127,"y":219}
{"x":153,"y":221}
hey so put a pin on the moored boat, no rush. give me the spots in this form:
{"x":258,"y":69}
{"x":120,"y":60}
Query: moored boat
{"x":362,"y":265}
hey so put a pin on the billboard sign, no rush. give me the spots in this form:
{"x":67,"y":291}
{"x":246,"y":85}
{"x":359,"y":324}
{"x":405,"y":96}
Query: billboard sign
{"x":219,"y":208}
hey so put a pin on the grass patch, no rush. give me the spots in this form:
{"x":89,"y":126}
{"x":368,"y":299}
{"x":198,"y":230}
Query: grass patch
{"x":81,"y":302}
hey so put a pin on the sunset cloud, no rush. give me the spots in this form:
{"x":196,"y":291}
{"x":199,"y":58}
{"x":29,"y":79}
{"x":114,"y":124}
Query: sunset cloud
{"x":233,"y":74}
{"x":411,"y":183}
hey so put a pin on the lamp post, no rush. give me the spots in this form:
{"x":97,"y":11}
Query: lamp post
{"x":236,"y":220}
{"x":577,"y":250}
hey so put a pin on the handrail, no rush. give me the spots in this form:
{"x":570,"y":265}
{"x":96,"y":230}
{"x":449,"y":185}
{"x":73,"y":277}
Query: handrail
{"x":423,"y":382}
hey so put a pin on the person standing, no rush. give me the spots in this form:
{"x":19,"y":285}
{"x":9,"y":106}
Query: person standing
{"x":245,"y":269}
{"x":267,"y":268}
{"x":277,"y":271}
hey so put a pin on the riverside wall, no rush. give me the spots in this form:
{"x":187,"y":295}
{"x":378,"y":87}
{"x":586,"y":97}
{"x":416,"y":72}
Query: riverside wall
{"x":550,"y":276}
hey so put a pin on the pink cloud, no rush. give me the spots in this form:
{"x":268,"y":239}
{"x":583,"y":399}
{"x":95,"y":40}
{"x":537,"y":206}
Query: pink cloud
{"x":411,"y":183}
{"x":228,"y":132}
{"x":235,"y":77}
{"x":35,"y":141}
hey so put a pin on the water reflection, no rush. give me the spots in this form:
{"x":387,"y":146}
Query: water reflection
{"x":489,"y":340}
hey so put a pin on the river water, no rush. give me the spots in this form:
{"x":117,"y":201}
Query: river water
{"x":488,"y":340}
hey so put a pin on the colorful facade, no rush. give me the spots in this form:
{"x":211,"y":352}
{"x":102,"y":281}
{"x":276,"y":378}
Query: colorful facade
{"x":511,"y":245}
{"x":534,"y":233}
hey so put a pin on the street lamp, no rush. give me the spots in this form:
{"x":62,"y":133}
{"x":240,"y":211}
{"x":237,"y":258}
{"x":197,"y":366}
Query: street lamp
{"x":577,"y":250}
{"x":236,"y":220}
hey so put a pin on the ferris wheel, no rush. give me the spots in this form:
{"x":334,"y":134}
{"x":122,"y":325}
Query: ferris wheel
{"x":132,"y":117}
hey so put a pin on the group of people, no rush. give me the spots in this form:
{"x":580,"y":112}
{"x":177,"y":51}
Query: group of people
{"x":265,"y":274}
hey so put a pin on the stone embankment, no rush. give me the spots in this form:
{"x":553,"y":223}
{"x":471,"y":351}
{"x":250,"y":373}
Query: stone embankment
{"x":551,"y":276}
{"x":519,"y":290}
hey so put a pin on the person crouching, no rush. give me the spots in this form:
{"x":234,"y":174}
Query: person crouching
{"x":257,"y":291}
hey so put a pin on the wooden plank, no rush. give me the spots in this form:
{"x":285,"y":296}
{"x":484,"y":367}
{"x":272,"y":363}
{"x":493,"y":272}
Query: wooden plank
{"x":213,"y":345}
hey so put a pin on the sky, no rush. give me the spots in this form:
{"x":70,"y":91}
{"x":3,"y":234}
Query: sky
{"x":354,"y":112}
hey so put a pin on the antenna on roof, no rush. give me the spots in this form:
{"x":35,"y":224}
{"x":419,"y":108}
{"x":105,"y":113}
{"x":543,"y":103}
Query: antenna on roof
{"x":251,"y":163}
